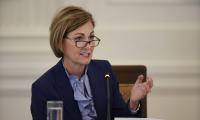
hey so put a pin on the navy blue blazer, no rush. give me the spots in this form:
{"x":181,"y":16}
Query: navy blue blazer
{"x":55,"y":85}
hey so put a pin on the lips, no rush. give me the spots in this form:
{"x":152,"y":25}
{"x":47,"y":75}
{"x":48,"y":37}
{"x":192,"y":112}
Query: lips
{"x":85,"y":53}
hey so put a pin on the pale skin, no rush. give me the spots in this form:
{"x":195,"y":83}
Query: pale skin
{"x":75,"y":60}
{"x":139,"y":90}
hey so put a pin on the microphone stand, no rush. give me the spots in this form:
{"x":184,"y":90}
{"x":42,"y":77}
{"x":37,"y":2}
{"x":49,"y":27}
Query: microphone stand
{"x":107,"y":77}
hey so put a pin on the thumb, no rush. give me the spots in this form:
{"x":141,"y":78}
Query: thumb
{"x":139,"y":79}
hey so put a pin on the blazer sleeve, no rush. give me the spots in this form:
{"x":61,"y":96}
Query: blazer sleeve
{"x":42,"y":91}
{"x":38,"y":103}
{"x":119,"y":107}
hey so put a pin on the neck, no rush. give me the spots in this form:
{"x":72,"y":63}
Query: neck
{"x":74,"y":68}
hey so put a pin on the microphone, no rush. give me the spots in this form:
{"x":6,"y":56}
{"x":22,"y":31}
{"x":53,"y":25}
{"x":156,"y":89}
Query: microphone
{"x":107,"y":77}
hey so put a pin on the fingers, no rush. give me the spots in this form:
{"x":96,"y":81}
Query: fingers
{"x":139,"y":79}
{"x":140,"y":88}
{"x":147,"y":85}
{"x":150,"y":82}
{"x":147,"y":88}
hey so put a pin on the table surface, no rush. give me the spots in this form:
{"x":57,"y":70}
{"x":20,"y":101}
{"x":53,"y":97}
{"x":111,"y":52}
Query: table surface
{"x":137,"y":119}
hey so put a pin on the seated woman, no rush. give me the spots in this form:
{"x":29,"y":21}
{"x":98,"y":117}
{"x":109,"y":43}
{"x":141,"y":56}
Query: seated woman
{"x":77,"y":79}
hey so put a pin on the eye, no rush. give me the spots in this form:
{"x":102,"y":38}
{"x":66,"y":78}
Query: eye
{"x":80,"y":38}
{"x":92,"y":37}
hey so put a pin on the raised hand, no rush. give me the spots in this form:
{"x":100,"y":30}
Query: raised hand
{"x":139,"y":90}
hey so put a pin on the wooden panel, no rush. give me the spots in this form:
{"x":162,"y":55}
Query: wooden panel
{"x":127,"y":75}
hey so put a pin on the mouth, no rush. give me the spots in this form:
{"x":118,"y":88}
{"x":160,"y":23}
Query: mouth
{"x":85,"y":53}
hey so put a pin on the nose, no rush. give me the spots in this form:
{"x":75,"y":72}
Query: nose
{"x":88,"y":45}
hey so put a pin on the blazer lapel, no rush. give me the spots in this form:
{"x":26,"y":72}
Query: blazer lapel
{"x":98,"y":89}
{"x":65,"y":91}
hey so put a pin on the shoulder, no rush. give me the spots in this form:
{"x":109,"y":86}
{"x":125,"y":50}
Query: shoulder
{"x":47,"y":78}
{"x":100,"y":64}
{"x":44,"y":81}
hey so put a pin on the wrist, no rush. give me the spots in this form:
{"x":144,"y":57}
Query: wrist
{"x":134,"y":105}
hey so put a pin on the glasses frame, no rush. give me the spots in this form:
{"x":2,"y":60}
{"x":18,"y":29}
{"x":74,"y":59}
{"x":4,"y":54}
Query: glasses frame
{"x":86,"y":42}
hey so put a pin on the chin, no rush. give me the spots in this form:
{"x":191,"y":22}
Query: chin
{"x":85,"y":62}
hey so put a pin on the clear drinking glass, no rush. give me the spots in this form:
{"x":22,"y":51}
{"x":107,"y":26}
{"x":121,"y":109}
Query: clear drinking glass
{"x":54,"y":110}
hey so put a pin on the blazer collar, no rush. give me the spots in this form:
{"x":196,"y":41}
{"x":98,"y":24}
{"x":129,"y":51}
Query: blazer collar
{"x":98,"y":88}
{"x":97,"y":85}
{"x":65,"y":91}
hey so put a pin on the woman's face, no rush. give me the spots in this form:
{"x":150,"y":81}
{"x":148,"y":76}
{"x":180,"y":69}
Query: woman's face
{"x":72,"y":53}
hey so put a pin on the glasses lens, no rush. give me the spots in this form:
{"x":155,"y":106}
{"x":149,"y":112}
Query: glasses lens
{"x":81,"y":44}
{"x":93,"y":43}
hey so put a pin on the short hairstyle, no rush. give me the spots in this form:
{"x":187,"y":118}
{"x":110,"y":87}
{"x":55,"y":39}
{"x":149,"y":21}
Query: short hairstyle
{"x":65,"y":21}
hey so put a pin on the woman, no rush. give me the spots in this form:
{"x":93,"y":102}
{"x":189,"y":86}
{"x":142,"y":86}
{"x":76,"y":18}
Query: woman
{"x":76,"y":79}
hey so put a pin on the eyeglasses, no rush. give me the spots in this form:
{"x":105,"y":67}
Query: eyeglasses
{"x":80,"y":42}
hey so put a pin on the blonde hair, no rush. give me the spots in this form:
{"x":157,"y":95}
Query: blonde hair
{"x":64,"y":22}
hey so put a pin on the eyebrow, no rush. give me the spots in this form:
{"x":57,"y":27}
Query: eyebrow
{"x":83,"y":33}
